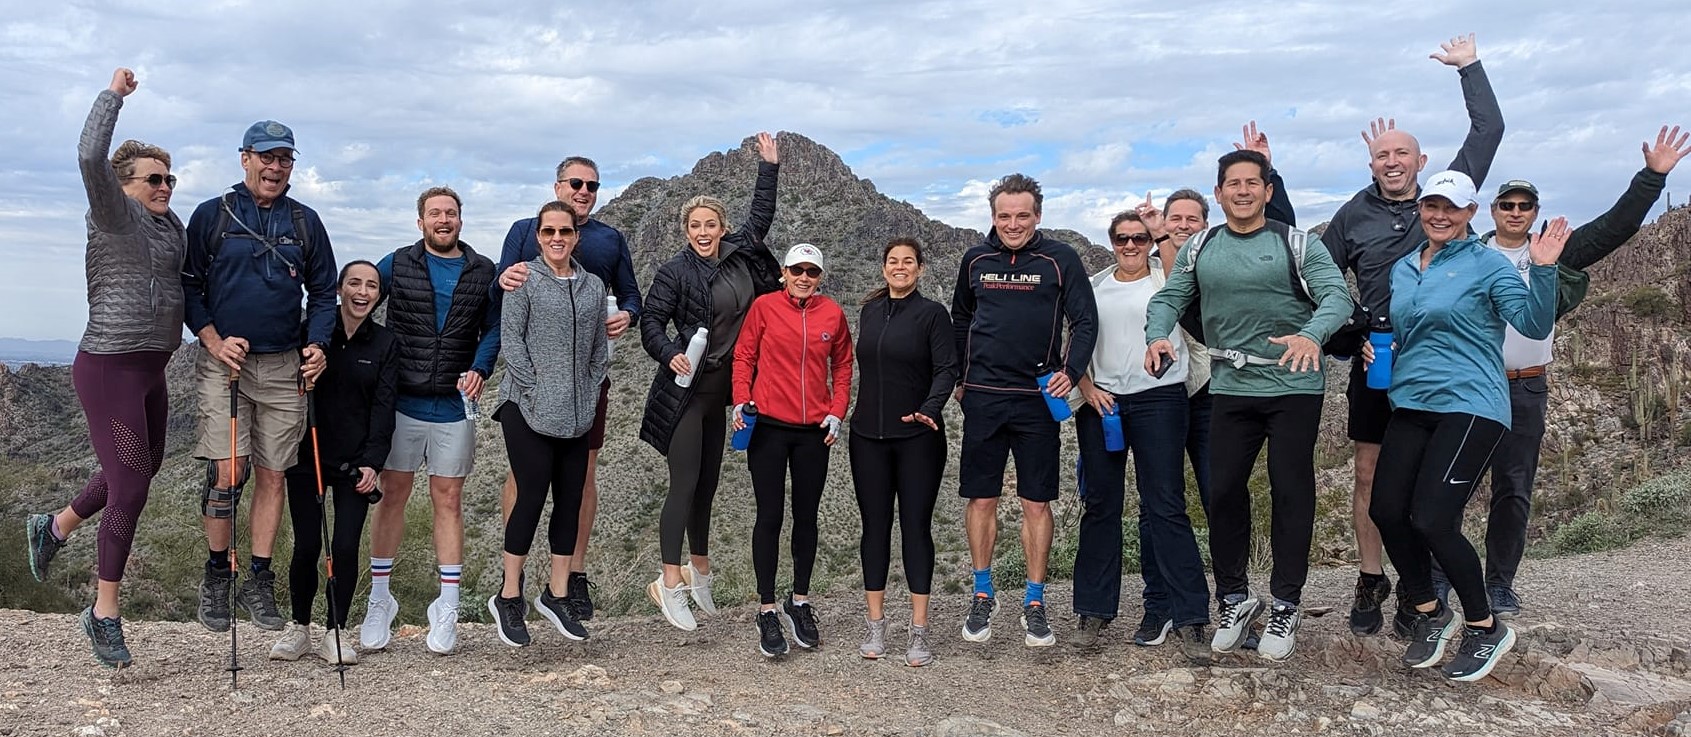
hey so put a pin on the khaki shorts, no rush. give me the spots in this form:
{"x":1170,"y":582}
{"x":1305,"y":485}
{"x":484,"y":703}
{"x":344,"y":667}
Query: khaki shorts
{"x":271,"y":416}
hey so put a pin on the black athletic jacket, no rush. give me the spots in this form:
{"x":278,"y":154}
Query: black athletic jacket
{"x":906,"y":362}
{"x":1007,"y":314}
{"x":355,"y":402}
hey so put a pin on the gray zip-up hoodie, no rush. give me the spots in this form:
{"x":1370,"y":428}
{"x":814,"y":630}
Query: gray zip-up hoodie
{"x":134,"y":258}
{"x":556,"y":353}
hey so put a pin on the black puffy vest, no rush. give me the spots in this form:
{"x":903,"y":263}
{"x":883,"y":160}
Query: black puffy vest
{"x":429,"y":360}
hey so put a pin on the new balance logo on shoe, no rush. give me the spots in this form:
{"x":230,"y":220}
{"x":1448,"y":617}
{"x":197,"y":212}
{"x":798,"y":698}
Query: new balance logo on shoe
{"x":1484,"y":651}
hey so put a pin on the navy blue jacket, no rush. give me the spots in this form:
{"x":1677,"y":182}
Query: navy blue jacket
{"x":1008,"y":310}
{"x":252,"y":289}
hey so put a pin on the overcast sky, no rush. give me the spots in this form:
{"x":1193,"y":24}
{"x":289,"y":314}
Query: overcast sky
{"x":931,"y":101}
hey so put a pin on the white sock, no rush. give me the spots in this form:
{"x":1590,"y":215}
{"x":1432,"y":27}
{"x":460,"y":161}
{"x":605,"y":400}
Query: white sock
{"x":449,"y":577}
{"x":381,"y":569}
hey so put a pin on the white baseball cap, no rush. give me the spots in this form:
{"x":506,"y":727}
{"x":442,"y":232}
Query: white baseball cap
{"x":804,"y":253}
{"x":1451,"y":185}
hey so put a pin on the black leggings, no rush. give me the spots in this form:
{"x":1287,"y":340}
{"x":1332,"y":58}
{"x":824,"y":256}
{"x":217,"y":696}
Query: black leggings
{"x":540,"y":463}
{"x":1428,"y":464}
{"x":906,"y":471}
{"x":348,"y":532}
{"x":695,"y":467}
{"x":776,"y":450}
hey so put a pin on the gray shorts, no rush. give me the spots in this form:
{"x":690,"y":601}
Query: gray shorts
{"x":447,"y":448}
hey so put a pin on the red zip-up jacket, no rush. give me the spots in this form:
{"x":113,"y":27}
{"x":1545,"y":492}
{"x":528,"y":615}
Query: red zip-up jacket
{"x":786,"y":354}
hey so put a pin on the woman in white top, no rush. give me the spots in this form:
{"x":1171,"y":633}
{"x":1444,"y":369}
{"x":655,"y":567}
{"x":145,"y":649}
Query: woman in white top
{"x":1152,"y":411}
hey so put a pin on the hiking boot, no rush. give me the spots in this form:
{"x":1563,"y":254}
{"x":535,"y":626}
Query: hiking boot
{"x":875,"y":639}
{"x":1366,"y":614}
{"x":560,"y":613}
{"x":333,"y":641}
{"x":698,"y":585}
{"x":378,"y":622}
{"x":1086,"y":636}
{"x":1234,"y":619}
{"x":1280,"y":635}
{"x":38,"y":531}
{"x":1504,"y":603}
{"x":1037,"y":627}
{"x":508,"y":614}
{"x":107,"y":637}
{"x":578,"y":597}
{"x":1479,"y":652}
{"x":443,"y":627}
{"x":256,"y":596}
{"x":978,"y":627}
{"x":1153,"y":630}
{"x":918,"y":654}
{"x":800,"y":619}
{"x":294,"y":642}
{"x":1426,"y":642}
{"x":673,"y":603}
{"x":214,"y":599}
{"x":772,"y":641}
{"x":1195,"y":644}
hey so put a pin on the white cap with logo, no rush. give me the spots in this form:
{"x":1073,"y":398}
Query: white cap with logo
{"x":804,"y":253}
{"x":1451,"y":185}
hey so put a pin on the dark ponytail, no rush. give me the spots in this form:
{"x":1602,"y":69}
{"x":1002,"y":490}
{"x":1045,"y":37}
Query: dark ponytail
{"x":901,"y":241}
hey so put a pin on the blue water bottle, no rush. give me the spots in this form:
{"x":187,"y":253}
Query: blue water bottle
{"x":1380,"y":371}
{"x":1059,"y":406}
{"x":1114,"y":442}
{"x":743,"y":437}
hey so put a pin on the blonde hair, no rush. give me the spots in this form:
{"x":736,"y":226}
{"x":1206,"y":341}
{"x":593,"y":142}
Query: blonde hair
{"x":123,"y":159}
{"x":709,"y":203}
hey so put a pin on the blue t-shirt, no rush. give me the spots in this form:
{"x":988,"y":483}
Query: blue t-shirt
{"x":443,"y":275}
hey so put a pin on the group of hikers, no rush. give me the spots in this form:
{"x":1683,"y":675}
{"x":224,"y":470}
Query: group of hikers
{"x":1161,"y":358}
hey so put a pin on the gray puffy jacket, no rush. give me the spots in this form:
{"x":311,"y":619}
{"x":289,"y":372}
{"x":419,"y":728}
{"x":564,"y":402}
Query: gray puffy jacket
{"x":556,"y":354}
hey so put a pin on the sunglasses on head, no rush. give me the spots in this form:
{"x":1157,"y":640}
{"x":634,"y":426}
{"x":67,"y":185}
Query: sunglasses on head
{"x":575,"y":183}
{"x":156,"y":180}
{"x":1122,"y":239}
{"x":551,"y":232}
{"x":1511,"y":206}
{"x":814,"y":272}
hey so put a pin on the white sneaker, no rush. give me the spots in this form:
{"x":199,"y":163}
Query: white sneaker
{"x":1233,"y":622}
{"x":443,"y":627}
{"x":378,"y":622}
{"x":326,"y":648}
{"x":1280,"y":635}
{"x":673,"y":603}
{"x":295,"y":641}
{"x":698,"y":584}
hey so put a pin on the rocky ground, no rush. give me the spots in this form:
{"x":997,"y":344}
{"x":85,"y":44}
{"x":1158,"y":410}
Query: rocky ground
{"x":1605,"y":649}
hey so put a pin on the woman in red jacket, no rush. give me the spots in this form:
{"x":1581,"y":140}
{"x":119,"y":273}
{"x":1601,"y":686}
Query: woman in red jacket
{"x":793,"y":363}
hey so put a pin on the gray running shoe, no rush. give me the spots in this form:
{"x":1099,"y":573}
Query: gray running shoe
{"x":1086,"y":637}
{"x":1235,"y":617}
{"x":978,"y":627}
{"x":107,"y":637}
{"x":1280,"y":635}
{"x":1504,"y":603}
{"x":918,"y":654}
{"x":1037,"y":627}
{"x":257,"y":597}
{"x":1195,"y":644}
{"x":1427,"y":639}
{"x":214,"y":599}
{"x":38,"y":530}
{"x":875,"y":639}
{"x":1479,"y":652}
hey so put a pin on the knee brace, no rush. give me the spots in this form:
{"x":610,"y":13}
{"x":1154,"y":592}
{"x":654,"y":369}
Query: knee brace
{"x":219,"y":502}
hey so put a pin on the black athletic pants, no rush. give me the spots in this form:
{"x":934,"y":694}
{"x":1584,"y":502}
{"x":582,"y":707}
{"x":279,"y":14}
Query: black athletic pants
{"x":695,"y":468}
{"x":1238,"y":429}
{"x":348,"y":532}
{"x":904,"y":472}
{"x":777,"y":449}
{"x":542,"y":464}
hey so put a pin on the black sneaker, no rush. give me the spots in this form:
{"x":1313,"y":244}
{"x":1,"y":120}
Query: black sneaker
{"x":107,"y":636}
{"x":772,"y":641}
{"x":1403,"y":623}
{"x":1426,"y":642}
{"x":214,"y":598}
{"x":1366,"y":615}
{"x":1479,"y":653}
{"x":257,"y":597}
{"x":978,"y":627}
{"x":1153,"y":630}
{"x":1195,"y":644}
{"x":578,"y":596}
{"x":1037,"y":627}
{"x":561,"y":613}
{"x":800,"y":618}
{"x":1504,"y":603}
{"x":38,"y":531}
{"x":509,"y":614}
{"x":1091,"y":628}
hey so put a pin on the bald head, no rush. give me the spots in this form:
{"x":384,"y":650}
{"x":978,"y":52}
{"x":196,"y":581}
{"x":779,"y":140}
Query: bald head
{"x":1396,"y":160}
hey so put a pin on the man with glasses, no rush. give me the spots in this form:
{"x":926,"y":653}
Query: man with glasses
{"x":252,"y":253}
{"x":603,"y":251}
{"x":447,"y":328}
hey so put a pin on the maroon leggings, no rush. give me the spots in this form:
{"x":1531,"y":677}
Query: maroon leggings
{"x":125,"y":399}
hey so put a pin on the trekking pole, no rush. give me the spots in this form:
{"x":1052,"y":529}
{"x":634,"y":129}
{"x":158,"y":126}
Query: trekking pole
{"x":234,"y":511}
{"x":323,"y":519}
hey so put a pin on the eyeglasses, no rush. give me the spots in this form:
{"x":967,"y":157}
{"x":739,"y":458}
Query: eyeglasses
{"x":551,"y":232}
{"x":266,"y":158}
{"x":576,"y":184}
{"x":1511,"y":206}
{"x":156,"y":180}
{"x":1122,"y":239}
{"x":814,"y":272}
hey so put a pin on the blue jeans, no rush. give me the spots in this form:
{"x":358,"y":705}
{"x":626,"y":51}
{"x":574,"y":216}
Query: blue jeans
{"x":1154,"y":423}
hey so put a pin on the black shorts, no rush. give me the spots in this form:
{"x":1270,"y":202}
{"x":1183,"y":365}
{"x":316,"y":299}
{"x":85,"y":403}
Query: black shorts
{"x":596,"y":433}
{"x":998,"y":425}
{"x":1369,"y":408}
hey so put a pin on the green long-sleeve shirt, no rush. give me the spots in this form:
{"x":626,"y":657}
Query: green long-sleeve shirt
{"x":1244,"y":291}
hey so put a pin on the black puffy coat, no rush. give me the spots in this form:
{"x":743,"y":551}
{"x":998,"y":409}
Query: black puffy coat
{"x":430,"y":360}
{"x":679,"y":303}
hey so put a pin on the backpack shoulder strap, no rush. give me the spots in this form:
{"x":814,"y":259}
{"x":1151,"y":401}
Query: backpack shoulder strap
{"x":301,"y":232}
{"x":1297,"y":245}
{"x":1197,"y":244}
{"x":225,"y":217}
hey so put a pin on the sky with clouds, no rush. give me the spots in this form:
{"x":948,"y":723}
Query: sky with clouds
{"x":1100,"y":100}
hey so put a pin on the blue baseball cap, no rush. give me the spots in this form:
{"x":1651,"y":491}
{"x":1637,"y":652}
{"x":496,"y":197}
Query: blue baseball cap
{"x":267,"y":135}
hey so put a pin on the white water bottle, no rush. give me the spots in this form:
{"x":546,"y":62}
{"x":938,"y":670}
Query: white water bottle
{"x":610,"y":311}
{"x":695,"y":354}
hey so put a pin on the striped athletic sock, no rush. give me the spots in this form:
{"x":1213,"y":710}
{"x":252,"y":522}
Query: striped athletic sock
{"x":380,"y":570}
{"x":1035,"y":594}
{"x":449,"y":576}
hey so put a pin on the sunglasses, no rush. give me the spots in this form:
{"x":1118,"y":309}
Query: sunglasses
{"x":591,"y":185}
{"x":1122,"y":239}
{"x":1511,"y":206}
{"x":814,"y":272}
{"x":551,"y":232}
{"x":156,"y":180}
{"x":266,"y":158}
